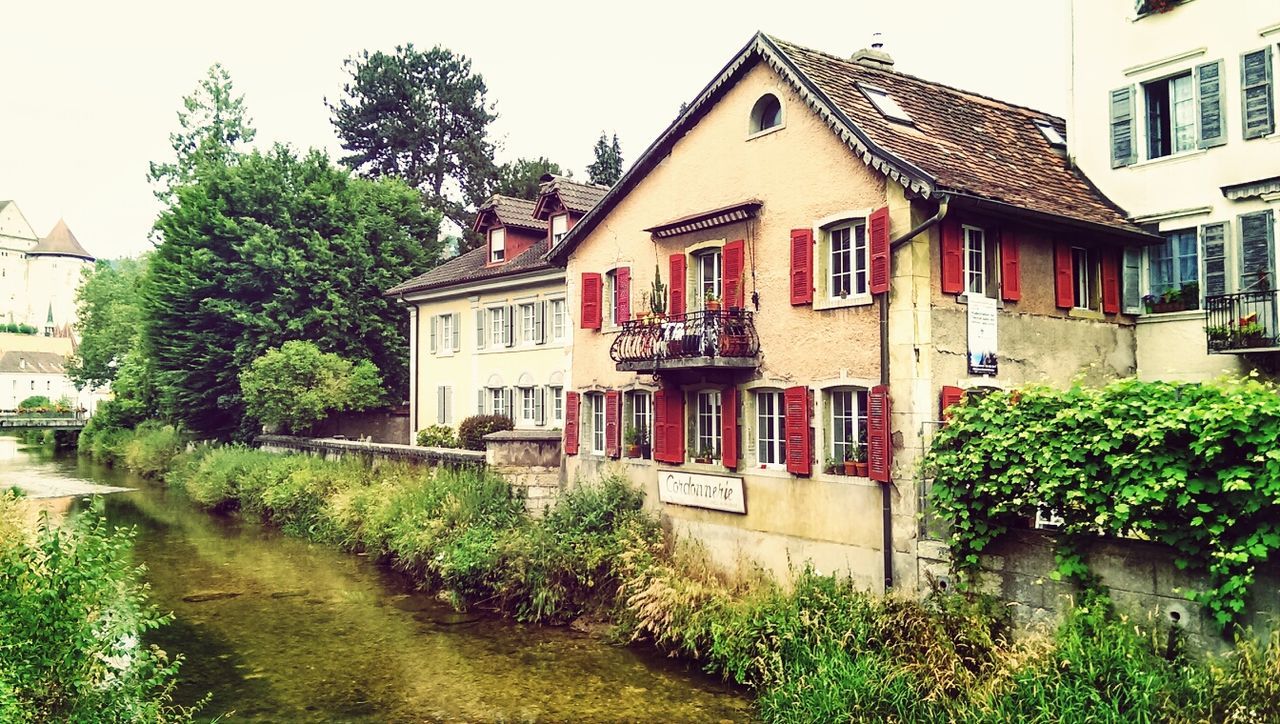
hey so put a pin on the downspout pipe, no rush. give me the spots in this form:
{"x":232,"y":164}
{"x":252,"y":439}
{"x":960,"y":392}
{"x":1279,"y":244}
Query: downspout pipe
{"x":886,"y":498}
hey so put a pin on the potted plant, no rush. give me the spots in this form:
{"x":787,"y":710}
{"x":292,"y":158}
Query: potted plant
{"x":832,"y":466}
{"x":712,"y":302}
{"x":860,"y":461}
{"x":705,"y":456}
{"x":642,"y":441}
{"x":658,"y":295}
{"x":632,"y":439}
{"x":1190,"y":295}
{"x":1218,"y":335}
{"x":1252,"y":334}
{"x":1149,"y":302}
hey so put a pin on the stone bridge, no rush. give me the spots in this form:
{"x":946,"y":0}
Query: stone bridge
{"x":38,"y":422}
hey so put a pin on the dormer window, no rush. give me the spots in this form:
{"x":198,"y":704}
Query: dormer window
{"x":559,"y":227}
{"x":497,"y":245}
{"x":885,"y":103}
{"x":766,"y":114}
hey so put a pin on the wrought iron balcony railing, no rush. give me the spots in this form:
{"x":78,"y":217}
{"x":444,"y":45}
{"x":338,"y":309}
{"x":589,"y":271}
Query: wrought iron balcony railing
{"x":1241,"y":322}
{"x":721,"y":338}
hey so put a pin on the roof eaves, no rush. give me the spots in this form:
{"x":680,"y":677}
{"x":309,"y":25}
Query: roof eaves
{"x":1128,"y":233}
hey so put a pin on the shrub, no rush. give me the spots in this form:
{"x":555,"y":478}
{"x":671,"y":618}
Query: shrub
{"x":473,"y":429}
{"x":35,"y":402}
{"x":152,"y":448}
{"x":294,"y":387}
{"x":437,"y":436}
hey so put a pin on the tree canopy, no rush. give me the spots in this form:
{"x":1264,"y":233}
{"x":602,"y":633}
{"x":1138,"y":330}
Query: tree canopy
{"x":213,"y":123}
{"x":522,"y":178}
{"x":294,"y":387}
{"x":607,"y":168}
{"x":109,"y":321}
{"x":277,"y":247}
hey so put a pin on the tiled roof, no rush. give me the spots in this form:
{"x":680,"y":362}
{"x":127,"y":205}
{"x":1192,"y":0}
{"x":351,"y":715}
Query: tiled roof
{"x":968,"y":143}
{"x":470,"y":267}
{"x":45,"y":363}
{"x":510,"y":211}
{"x":577,"y":197}
{"x":61,"y":241}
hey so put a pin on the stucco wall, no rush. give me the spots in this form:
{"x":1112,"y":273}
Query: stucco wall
{"x":1172,"y":347}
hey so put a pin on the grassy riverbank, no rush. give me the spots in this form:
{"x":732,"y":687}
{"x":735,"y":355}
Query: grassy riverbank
{"x":820,"y":651}
{"x":72,"y":615}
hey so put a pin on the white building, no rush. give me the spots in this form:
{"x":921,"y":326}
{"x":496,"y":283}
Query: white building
{"x":39,"y":276}
{"x":1173,"y":116}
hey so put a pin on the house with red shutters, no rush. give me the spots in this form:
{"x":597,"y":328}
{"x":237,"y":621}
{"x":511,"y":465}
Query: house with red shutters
{"x":775,"y":305}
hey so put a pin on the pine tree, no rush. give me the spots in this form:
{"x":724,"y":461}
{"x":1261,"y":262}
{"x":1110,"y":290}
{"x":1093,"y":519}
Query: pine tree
{"x":212,"y":126}
{"x":607,"y":168}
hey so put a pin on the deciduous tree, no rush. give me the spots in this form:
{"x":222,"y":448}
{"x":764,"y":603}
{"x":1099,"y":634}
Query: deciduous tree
{"x":109,"y":320}
{"x":294,"y":387}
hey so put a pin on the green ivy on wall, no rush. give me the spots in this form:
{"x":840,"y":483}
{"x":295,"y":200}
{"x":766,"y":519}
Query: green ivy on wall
{"x":1193,"y":466}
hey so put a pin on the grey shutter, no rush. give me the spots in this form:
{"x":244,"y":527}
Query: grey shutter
{"x":1123,"y":151}
{"x":480,"y":400}
{"x":1132,"y":281}
{"x":1256,"y":238}
{"x":435,"y":323}
{"x":540,"y":405}
{"x":508,"y":315}
{"x":480,"y":327}
{"x":1213,"y":250}
{"x":1213,"y":125}
{"x":457,"y":331}
{"x":508,"y":397}
{"x":1255,"y":93}
{"x":540,"y":323}
{"x":448,"y":405}
{"x":440,"y":407}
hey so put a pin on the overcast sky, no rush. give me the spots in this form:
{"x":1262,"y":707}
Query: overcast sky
{"x":91,"y":89}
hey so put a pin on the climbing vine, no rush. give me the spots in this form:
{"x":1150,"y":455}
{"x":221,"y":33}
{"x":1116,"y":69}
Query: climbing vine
{"x":1193,"y":466}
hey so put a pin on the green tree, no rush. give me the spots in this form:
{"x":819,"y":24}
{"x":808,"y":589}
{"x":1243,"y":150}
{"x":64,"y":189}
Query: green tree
{"x":213,"y":123}
{"x":522,"y":178}
{"x":109,"y":321}
{"x":422,"y":116}
{"x":294,"y":387}
{"x":607,"y":168}
{"x":272,"y":248}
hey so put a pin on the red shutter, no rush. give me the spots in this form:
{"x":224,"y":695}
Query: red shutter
{"x":668,"y":425}
{"x":590,"y":300}
{"x":1063,"y":278}
{"x":612,"y":414}
{"x":659,"y":425}
{"x":1110,"y":282}
{"x":622,"y":277}
{"x":802,"y":266}
{"x":1010,"y":268}
{"x":729,"y":427}
{"x":795,"y":404}
{"x":676,"y":287}
{"x":571,"y":423}
{"x":950,"y":396}
{"x":734,"y":260}
{"x":879,"y":435}
{"x":878,"y":241}
{"x":952,"y":258}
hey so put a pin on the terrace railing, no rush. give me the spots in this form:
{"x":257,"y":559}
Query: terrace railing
{"x":707,"y":338}
{"x":1241,"y":322}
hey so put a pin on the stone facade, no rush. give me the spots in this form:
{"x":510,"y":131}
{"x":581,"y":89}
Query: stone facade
{"x":530,"y":461}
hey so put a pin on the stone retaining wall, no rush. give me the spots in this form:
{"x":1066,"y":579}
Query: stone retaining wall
{"x":530,"y":461}
{"x":373,"y":451}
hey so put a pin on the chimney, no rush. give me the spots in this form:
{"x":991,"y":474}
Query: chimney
{"x":875,"y":56}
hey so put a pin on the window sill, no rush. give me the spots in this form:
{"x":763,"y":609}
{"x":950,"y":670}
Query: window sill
{"x":1171,"y":158}
{"x":1184,"y":315}
{"x":964,"y":299}
{"x":853,"y":300}
{"x":1079,"y":313}
{"x":765,"y":132}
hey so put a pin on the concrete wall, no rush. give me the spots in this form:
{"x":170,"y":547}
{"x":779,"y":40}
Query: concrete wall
{"x":374,"y":452}
{"x":389,"y":426}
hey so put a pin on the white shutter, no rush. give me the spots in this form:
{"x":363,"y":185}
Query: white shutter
{"x":1213,"y":126}
{"x":1131,"y":280}
{"x":480,"y":327}
{"x":1123,"y":149}
{"x":433,"y":323}
{"x":1257,"y":270}
{"x":440,"y":411}
{"x":457,"y":331}
{"x":1213,"y":251}
{"x":540,"y":322}
{"x":540,"y":405}
{"x":508,"y":324}
{"x":480,"y":400}
{"x":1255,"y":93}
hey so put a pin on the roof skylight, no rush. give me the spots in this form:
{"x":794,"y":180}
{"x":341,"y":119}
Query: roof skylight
{"x":1051,"y":134}
{"x":885,"y":103}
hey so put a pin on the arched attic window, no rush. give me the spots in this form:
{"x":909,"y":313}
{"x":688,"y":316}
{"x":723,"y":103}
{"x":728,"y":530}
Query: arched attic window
{"x":766,"y":113}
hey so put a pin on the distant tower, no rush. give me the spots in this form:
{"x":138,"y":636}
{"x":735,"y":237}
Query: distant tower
{"x":55,"y":268}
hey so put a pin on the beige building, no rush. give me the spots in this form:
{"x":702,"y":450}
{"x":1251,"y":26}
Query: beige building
{"x":489,"y":330}
{"x":39,"y":276}
{"x":845,"y":249}
{"x":1174,"y":117}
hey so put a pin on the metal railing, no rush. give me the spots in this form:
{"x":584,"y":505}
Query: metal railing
{"x":727,"y":333}
{"x":1241,"y":321}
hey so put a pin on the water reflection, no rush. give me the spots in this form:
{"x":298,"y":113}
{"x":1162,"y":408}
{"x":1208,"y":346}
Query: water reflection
{"x":281,"y":630}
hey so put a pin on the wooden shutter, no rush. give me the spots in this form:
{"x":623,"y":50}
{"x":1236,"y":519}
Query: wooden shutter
{"x":952,"y":258}
{"x":571,"y":405}
{"x":1131,"y":281}
{"x":1123,"y":150}
{"x":480,"y":395}
{"x":457,"y":331}
{"x":622,"y":277}
{"x":795,"y":426}
{"x":612,"y":417}
{"x":509,"y":402}
{"x":668,"y":425}
{"x":480,"y":330}
{"x":440,"y":407}
{"x":1063,"y":278}
{"x":1255,"y":251}
{"x":590,"y":312}
{"x":659,"y":446}
{"x":950,"y":396}
{"x":540,"y":322}
{"x":801,"y":266}
{"x":1010,"y":267}
{"x":878,"y":244}
{"x":729,"y":427}
{"x":509,"y":325}
{"x":1213,"y":240}
{"x":1213,"y":126}
{"x":679,"y":284}
{"x":1255,"y":94}
{"x":1110,"y":282}
{"x":879,"y":434}
{"x":435,"y":325}
{"x":540,"y":406}
{"x":734,"y":261}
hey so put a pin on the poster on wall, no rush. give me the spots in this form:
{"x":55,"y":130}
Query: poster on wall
{"x":982,"y":336}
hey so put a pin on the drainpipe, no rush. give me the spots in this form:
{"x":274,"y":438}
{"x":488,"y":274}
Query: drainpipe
{"x":886,"y":499}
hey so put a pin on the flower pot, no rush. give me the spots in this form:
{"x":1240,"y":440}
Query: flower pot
{"x":713,"y":306}
{"x":861,"y":469}
{"x":702,"y":461}
{"x":849,"y":467}
{"x":633,"y":451}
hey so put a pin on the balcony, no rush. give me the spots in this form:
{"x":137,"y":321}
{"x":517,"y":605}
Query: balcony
{"x":1242,"y":322}
{"x":723,"y":339}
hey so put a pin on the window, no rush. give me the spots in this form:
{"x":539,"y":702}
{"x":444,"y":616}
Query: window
{"x":497,"y":326}
{"x":707,"y":424}
{"x":1171,"y":116}
{"x":981,"y":269}
{"x":498,"y":402}
{"x":848,"y":262}
{"x":611,"y":290}
{"x":444,"y":405}
{"x":885,"y":103}
{"x":596,"y":402}
{"x":770,"y":433}
{"x":708,"y":280}
{"x":1174,"y":264}
{"x":557,"y":403}
{"x":447,"y":333}
{"x":1051,"y":134}
{"x":1082,"y":278}
{"x":641,"y":419}
{"x":559,"y":227}
{"x":766,"y":114}
{"x":848,"y":422}
{"x":557,"y":319}
{"x":528,"y":408}
{"x":497,"y":245}
{"x":528,"y":326}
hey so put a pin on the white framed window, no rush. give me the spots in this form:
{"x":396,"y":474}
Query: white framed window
{"x":765,"y":114}
{"x":528,"y":324}
{"x":528,"y":405}
{"x":447,"y":333}
{"x":497,"y":245}
{"x":640,"y":403}
{"x":847,"y":260}
{"x":1171,"y":115}
{"x":707,"y":424}
{"x":611,"y":295}
{"x":770,"y":431}
{"x":595,"y":400}
{"x":498,"y":402}
{"x":557,"y":319}
{"x":557,"y":403}
{"x":846,"y":422}
{"x":1082,"y":278}
{"x":975,"y":260}
{"x":497,"y":326}
{"x":1173,"y":265}
{"x":708,"y":270}
{"x":559,"y":227}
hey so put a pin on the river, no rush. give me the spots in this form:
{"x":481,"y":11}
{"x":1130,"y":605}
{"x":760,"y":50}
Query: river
{"x":282,"y":630}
